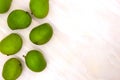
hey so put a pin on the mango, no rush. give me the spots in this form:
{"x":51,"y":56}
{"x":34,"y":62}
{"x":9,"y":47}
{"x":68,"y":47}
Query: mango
{"x":5,"y":5}
{"x":11,"y":44}
{"x":12,"y":69}
{"x":35,"y":61}
{"x":39,"y":8}
{"x":19,"y":19}
{"x":41,"y":34}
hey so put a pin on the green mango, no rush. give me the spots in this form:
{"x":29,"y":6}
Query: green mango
{"x":5,"y":5}
{"x":12,"y":69}
{"x":41,"y":34}
{"x":18,"y":19}
{"x":11,"y":44}
{"x":39,"y":8}
{"x":35,"y":61}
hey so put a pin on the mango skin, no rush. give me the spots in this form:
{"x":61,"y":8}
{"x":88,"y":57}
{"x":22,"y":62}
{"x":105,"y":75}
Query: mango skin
{"x":5,"y":5}
{"x":41,"y":34}
{"x":11,"y":44}
{"x":12,"y":69}
{"x":39,"y":8}
{"x":19,"y":19}
{"x":35,"y":61}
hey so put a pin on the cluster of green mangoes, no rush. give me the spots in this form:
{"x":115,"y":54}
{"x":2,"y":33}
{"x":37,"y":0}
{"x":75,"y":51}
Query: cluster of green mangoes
{"x":11,"y":44}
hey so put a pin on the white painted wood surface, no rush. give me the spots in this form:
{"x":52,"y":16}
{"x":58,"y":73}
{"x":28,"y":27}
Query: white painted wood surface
{"x":85,"y":44}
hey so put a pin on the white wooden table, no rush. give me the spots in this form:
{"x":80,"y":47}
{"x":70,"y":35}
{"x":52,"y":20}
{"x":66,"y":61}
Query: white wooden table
{"x":85,"y":44}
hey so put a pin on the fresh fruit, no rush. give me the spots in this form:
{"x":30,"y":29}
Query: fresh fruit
{"x":39,"y":8}
{"x":12,"y":69}
{"x":11,"y":44}
{"x":35,"y":61}
{"x":41,"y":34}
{"x":5,"y":5}
{"x":18,"y":19}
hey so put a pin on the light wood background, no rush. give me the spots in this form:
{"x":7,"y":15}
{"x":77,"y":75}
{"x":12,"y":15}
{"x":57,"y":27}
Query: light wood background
{"x":85,"y":44}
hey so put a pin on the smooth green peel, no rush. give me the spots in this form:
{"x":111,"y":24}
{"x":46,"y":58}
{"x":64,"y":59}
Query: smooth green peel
{"x":12,"y":69}
{"x":41,"y":34}
{"x":5,"y":5}
{"x":11,"y":44}
{"x":35,"y":61}
{"x":18,"y":19}
{"x":39,"y":8}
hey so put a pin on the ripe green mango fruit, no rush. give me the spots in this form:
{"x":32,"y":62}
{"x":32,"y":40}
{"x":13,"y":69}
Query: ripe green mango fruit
{"x":12,"y":69}
{"x":19,"y":19}
{"x":11,"y":44}
{"x":41,"y":34}
{"x":39,"y":8}
{"x":5,"y":5}
{"x":35,"y":61}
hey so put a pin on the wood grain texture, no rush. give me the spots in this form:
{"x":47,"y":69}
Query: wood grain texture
{"x":85,"y":45}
